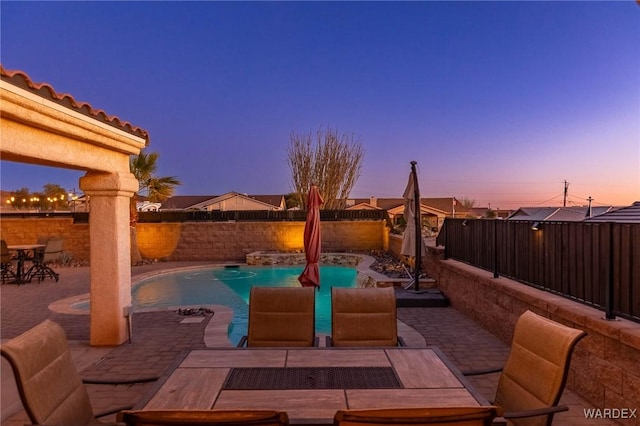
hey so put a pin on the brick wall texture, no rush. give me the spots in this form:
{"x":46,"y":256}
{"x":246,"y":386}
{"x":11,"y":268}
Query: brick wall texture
{"x":215,"y":241}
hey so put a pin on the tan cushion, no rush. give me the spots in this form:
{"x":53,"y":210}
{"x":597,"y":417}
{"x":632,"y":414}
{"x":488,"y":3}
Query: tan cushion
{"x":281,"y":316}
{"x":536,"y":369}
{"x":363,"y":317}
{"x":50,"y":387}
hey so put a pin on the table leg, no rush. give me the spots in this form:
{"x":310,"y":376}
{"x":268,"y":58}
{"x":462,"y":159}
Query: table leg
{"x":20,"y":267}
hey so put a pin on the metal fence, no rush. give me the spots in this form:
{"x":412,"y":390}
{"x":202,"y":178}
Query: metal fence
{"x":594,"y":263}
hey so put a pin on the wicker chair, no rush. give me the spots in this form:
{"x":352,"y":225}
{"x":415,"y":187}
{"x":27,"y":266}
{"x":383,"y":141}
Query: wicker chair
{"x":363,"y":317}
{"x":281,"y":316}
{"x":204,"y":417}
{"x":467,"y":416}
{"x":49,"y":385}
{"x":535,"y":373}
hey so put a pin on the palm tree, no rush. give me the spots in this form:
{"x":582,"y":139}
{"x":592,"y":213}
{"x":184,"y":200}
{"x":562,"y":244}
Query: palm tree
{"x":156,"y":189}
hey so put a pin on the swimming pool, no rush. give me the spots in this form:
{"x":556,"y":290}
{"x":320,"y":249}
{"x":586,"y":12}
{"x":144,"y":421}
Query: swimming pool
{"x":230,"y":286}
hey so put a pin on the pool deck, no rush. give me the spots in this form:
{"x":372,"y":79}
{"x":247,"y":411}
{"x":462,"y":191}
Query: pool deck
{"x":160,"y":337}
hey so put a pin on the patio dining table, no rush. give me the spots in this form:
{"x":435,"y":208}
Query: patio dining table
{"x":311,"y":384}
{"x":22,"y":251}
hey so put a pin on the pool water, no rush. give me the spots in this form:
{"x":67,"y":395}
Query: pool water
{"x":231,"y":287}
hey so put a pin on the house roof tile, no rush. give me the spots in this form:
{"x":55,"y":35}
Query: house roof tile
{"x":44,"y":90}
{"x":629,"y":214}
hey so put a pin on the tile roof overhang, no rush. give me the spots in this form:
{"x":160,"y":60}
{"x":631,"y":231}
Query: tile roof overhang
{"x":44,"y":90}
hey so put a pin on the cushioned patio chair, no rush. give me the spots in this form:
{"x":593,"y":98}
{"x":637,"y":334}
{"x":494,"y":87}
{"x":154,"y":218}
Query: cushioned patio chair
{"x":535,"y":373}
{"x":41,"y":258}
{"x":204,"y":417}
{"x":281,"y":316}
{"x":7,"y":264}
{"x":467,"y":416}
{"x":49,"y":385}
{"x":363,"y":317}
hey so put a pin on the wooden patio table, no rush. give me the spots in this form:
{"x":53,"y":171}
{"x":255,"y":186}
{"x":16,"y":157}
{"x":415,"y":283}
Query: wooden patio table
{"x":425,"y":378}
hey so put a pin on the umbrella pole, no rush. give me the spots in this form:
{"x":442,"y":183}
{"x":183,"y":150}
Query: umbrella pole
{"x":418,"y":224}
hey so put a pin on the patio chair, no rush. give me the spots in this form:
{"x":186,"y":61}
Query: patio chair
{"x":535,"y":373}
{"x":204,"y":418}
{"x":49,"y":385}
{"x":467,"y":416}
{"x":281,"y":316}
{"x":363,"y":317}
{"x":7,"y":264}
{"x":41,"y":258}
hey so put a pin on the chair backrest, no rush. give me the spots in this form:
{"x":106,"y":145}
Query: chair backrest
{"x":281,"y":316}
{"x":203,"y":418}
{"x":363,"y":317}
{"x":536,"y":370}
{"x":53,"y":250}
{"x":6,"y":255}
{"x":49,"y":385}
{"x":461,"y":416}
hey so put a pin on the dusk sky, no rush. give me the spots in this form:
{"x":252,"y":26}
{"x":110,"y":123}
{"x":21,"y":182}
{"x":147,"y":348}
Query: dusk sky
{"x":499,"y":102}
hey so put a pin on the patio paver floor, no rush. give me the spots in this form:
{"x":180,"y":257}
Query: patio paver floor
{"x":159,"y":338}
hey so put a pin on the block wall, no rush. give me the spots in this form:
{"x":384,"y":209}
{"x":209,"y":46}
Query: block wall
{"x":234,"y":240}
{"x":215,"y":241}
{"x":27,"y":231}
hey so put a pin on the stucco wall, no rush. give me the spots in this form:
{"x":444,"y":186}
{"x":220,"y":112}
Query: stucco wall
{"x":217,"y":241}
{"x":605,"y":368}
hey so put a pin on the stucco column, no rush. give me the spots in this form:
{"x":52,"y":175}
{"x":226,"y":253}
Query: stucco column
{"x":110,"y":254}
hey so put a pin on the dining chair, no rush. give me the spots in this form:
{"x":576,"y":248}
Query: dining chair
{"x":7,"y":264}
{"x":41,"y":258}
{"x":49,"y":385}
{"x":281,"y":316}
{"x":535,"y":373}
{"x":363,"y":317}
{"x":460,"y":416}
{"x":203,"y":417}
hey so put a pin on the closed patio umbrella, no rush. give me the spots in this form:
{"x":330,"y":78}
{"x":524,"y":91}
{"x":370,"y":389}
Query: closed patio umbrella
{"x":412,"y":241}
{"x":311,"y":274}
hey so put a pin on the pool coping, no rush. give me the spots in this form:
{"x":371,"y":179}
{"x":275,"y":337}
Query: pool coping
{"x":216,"y":331}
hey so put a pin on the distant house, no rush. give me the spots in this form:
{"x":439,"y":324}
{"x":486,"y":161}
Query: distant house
{"x":567,"y":214}
{"x":630,"y":214}
{"x":433,"y":210}
{"x":148,"y":206}
{"x":230,"y":201}
{"x":450,"y":205}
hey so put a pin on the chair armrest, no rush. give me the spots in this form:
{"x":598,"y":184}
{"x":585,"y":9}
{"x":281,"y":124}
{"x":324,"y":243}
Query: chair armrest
{"x":401,"y":341}
{"x":90,"y":381}
{"x":329,"y":341}
{"x":534,"y":413}
{"x":481,"y":372}
{"x":242,"y":342}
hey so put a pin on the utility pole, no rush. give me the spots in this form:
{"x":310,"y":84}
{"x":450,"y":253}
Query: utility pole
{"x":566,"y":189}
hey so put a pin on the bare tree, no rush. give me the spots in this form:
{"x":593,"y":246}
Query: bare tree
{"x":467,"y":202}
{"x":332,"y":162}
